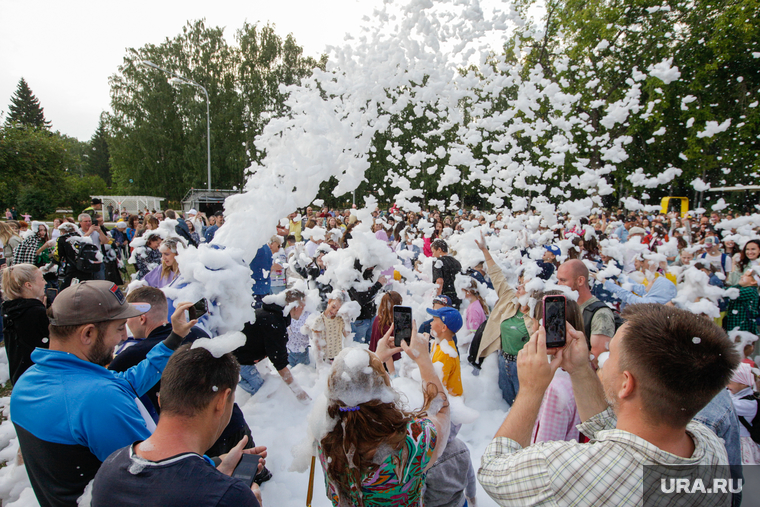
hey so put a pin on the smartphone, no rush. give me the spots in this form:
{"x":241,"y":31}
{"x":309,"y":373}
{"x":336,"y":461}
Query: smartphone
{"x":51,"y":294}
{"x":198,"y":310}
{"x":402,"y":324}
{"x":554,"y":321}
{"x":247,"y":468}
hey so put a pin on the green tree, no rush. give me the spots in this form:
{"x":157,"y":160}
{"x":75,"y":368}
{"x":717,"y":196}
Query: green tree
{"x":158,"y":143}
{"x":33,"y":165}
{"x":25,"y":108}
{"x":98,"y":159}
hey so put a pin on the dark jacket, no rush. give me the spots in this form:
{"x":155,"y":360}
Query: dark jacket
{"x":366,"y":299}
{"x":133,"y":354}
{"x":266,"y":337}
{"x":25,"y":327}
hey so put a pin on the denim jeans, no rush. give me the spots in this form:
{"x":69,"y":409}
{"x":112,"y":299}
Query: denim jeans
{"x":362,"y":330}
{"x":295,"y":358}
{"x":250,"y":378}
{"x":508,"y":382}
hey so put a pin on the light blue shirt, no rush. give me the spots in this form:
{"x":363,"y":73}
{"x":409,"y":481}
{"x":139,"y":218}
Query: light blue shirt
{"x":662,"y":291}
{"x":622,"y":233}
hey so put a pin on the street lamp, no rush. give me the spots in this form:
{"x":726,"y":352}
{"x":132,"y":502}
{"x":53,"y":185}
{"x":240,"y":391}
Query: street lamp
{"x":179,"y":80}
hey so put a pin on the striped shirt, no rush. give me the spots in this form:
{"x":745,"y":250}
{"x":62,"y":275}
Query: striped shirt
{"x":606,"y":471}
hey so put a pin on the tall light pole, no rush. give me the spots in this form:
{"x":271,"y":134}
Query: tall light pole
{"x":177,"y":79}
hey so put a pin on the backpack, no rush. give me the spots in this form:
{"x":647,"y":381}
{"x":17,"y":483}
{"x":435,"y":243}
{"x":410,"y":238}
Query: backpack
{"x":590,"y":311}
{"x":86,"y":258}
{"x":754,"y":426}
{"x":723,"y":257}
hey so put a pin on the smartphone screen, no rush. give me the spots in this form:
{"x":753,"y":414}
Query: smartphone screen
{"x":402,"y":324}
{"x":247,"y":468}
{"x":199,"y":309}
{"x":554,"y":321}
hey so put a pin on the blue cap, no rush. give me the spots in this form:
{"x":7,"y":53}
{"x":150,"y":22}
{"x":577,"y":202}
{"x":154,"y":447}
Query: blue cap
{"x":442,"y":300}
{"x":554,"y":249}
{"x":451,"y":317}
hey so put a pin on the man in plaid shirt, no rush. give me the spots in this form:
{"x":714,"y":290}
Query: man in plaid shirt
{"x":665,"y":365}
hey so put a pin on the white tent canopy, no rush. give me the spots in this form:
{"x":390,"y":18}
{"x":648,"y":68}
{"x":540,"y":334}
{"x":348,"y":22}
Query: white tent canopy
{"x":131,"y":203}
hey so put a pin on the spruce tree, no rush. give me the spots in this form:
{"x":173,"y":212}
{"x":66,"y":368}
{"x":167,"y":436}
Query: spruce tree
{"x":98,"y":159}
{"x":25,"y":109}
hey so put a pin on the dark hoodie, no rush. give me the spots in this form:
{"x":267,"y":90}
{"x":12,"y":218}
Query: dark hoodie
{"x":25,"y":328}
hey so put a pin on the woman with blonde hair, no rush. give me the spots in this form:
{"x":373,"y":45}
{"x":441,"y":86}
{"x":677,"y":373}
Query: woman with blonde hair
{"x":9,"y":241}
{"x":25,"y":322}
{"x":374,"y":452}
{"x":168,"y":271}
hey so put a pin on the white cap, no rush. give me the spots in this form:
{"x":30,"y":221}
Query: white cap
{"x":192,"y":212}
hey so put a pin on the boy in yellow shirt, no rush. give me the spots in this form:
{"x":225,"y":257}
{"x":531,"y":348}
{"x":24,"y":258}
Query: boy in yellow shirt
{"x":446,"y":322}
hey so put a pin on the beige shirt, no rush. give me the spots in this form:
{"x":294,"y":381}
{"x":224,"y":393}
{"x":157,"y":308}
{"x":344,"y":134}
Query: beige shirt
{"x":506,"y":307}
{"x":331,"y":331}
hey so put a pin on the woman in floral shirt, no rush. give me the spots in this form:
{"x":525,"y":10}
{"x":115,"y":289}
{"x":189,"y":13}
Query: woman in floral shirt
{"x":373,"y":452}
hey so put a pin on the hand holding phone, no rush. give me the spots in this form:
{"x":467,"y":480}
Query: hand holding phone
{"x":402,"y":325}
{"x":199,"y":309}
{"x":554,"y":321}
{"x":247,"y":468}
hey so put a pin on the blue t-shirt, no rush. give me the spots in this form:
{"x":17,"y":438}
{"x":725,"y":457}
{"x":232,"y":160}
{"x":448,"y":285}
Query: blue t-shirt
{"x":127,"y":480}
{"x":261,"y":267}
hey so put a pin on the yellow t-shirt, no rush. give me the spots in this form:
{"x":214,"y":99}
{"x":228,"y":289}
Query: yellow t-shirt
{"x":452,"y":375}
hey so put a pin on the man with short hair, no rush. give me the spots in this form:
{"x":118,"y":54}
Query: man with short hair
{"x":170,"y":467}
{"x":92,"y":210}
{"x":656,"y":379}
{"x":623,"y":230}
{"x":70,"y":413}
{"x":211,"y":230}
{"x":445,"y":270}
{"x":601,"y":321}
{"x":148,"y":330}
{"x":261,"y":269}
{"x":90,"y":229}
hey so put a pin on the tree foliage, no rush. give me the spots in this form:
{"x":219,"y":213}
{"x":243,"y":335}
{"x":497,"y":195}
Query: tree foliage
{"x":25,"y":109}
{"x":158,"y":131}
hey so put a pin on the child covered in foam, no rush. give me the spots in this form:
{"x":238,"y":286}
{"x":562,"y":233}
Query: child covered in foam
{"x":328,"y":329}
{"x":446,"y":322}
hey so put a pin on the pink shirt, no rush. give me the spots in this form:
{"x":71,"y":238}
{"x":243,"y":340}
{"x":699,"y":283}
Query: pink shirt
{"x":558,"y":415}
{"x":474,"y":315}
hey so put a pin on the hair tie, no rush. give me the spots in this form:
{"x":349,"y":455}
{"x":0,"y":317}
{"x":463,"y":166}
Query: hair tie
{"x":349,"y":409}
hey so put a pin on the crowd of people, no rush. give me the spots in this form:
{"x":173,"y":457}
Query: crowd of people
{"x":661,"y":315}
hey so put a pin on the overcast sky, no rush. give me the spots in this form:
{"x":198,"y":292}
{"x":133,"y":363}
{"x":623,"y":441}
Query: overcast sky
{"x":66,"y":50}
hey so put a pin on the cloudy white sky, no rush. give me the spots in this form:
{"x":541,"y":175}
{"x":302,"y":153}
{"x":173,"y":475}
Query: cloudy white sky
{"x":66,"y":50}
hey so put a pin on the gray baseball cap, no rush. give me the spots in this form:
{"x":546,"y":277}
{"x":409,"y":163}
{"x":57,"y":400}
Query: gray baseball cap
{"x":93,"y":301}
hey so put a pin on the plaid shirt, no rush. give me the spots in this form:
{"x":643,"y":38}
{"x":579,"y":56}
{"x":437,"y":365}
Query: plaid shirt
{"x":26,"y":252}
{"x":558,"y":416}
{"x":741,"y":312}
{"x":606,"y":471}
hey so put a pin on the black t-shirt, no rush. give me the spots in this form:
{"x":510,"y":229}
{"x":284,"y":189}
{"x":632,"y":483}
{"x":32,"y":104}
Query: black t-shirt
{"x":447,"y":268}
{"x":186,"y":479}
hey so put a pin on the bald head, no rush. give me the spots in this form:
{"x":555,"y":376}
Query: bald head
{"x":574,"y":274}
{"x":577,"y":268}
